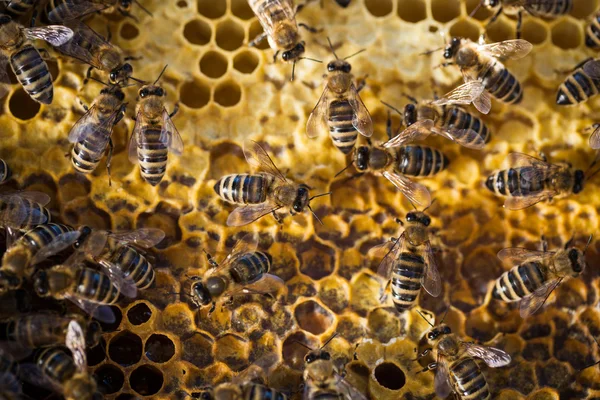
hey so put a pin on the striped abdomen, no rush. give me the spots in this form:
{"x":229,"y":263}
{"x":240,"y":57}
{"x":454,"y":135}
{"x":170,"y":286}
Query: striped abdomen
{"x":244,"y":188}
{"x":457,"y":118}
{"x":86,"y":154}
{"x":343,"y":133}
{"x":133,"y":265}
{"x":254,"y":391}
{"x":56,"y":365}
{"x":577,"y":88}
{"x":515,"y":182}
{"x":22,"y":212}
{"x":152,"y":154}
{"x":271,"y":9}
{"x":420,"y":161}
{"x":42,"y":235}
{"x":467,"y":380}
{"x":35,"y":330}
{"x":325,"y":394}
{"x":406,"y":278}
{"x":499,"y":82}
{"x":5,"y":172}
{"x":549,"y":9}
{"x":519,"y":282}
{"x":17,"y":8}
{"x":592,"y":33}
{"x":57,"y":11}
{"x":250,"y":267}
{"x":95,"y":286}
{"x":32,"y":72}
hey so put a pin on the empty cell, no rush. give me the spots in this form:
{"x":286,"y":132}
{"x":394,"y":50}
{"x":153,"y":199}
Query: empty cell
{"x":139,"y":314}
{"x":255,"y":30}
{"x":295,"y":347}
{"x":482,"y":14}
{"x":502,"y":29}
{"x":212,"y":8}
{"x":566,"y":34}
{"x":230,"y":35}
{"x":213,"y":64}
{"x":245,"y":62}
{"x":159,"y":348}
{"x":445,"y":10}
{"x":379,"y":8}
{"x":96,"y":354}
{"x":313,"y":318}
{"x":228,"y":94}
{"x":412,"y":10}
{"x":129,"y":31}
{"x":125,"y":348}
{"x":535,"y":31}
{"x":197,"y":32}
{"x":146,"y":380}
{"x":390,"y":376}
{"x":241,"y":9}
{"x":110,"y":379}
{"x":182,"y":4}
{"x":22,"y":106}
{"x":465,"y":29}
{"x":194,"y":94}
{"x":584,"y":8}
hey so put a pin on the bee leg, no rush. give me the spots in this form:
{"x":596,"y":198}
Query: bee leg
{"x":353,"y":177}
{"x":210,"y":260}
{"x":129,"y":15}
{"x":108,"y":34}
{"x":422,"y":354}
{"x":310,"y":28}
{"x":88,"y":75}
{"x":362,"y":82}
{"x":429,"y":367}
{"x":495,"y":16}
{"x":519,"y":24}
{"x":277,"y":217}
{"x":257,"y":39}
{"x":275,"y":56}
{"x":544,"y":243}
{"x":175,"y":110}
{"x":85,"y":107}
{"x":109,"y":159}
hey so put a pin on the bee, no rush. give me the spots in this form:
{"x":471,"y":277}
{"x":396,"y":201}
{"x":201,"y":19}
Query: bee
{"x":18,"y":8}
{"x":10,"y":387}
{"x":582,"y":84}
{"x":409,"y":263}
{"x":480,"y":63}
{"x":322,"y":380}
{"x":61,"y":11}
{"x":456,"y":369}
{"x":530,"y":180}
{"x":536,"y":8}
{"x":340,"y":107}
{"x":592,"y":33}
{"x":244,"y":271}
{"x":536,"y":274}
{"x":33,"y":247}
{"x":23,"y":209}
{"x":262,"y":193}
{"x":154,"y":134}
{"x":25,"y":60}
{"x":5,"y":171}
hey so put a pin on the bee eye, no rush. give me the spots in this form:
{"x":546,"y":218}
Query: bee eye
{"x":326,"y":356}
{"x":144,"y":93}
{"x":447,"y":330}
{"x":310,"y":358}
{"x":426,"y":221}
{"x":330,"y":67}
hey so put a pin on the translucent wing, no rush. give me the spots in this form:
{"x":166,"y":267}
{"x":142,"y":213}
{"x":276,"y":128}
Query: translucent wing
{"x":101,"y":312}
{"x":247,"y":214}
{"x":247,"y":244}
{"x":464,"y":94}
{"x":258,"y":369}
{"x":465,"y":137}
{"x":531,"y":303}
{"x":87,"y":126}
{"x":595,"y":138}
{"x":413,"y":191}
{"x":33,"y":374}
{"x":492,"y":356}
{"x":441,"y":381}
{"x":258,"y":158}
{"x":95,"y":243}
{"x":282,"y":6}
{"x":361,"y":119}
{"x":483,"y":103}
{"x":58,"y":244}
{"x":132,"y":149}
{"x":520,"y":203}
{"x":76,"y":343}
{"x":84,"y":44}
{"x":592,"y":68}
{"x":349,"y":391}
{"x":37,"y":197}
{"x":15,"y":212}
{"x":74,"y":9}
{"x":170,"y":136}
{"x":317,"y":119}
{"x":417,"y":131}
{"x":143,"y":237}
{"x":519,"y":255}
{"x":388,"y":252}
{"x":431,"y":280}
{"x":56,"y":35}
{"x":125,"y":284}
{"x":516,"y":160}
{"x":512,"y":49}
{"x":268,"y":283}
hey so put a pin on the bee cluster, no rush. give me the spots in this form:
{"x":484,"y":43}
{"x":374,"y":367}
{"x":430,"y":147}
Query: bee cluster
{"x":110,"y":288}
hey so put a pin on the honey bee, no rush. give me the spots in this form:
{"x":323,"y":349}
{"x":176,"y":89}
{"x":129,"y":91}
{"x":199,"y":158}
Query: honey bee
{"x":154,"y":134}
{"x":33,"y":247}
{"x":537,"y":8}
{"x":92,"y":133}
{"x":262,"y":193}
{"x":480,"y":63}
{"x":456,"y":369}
{"x":443,"y":117}
{"x":322,"y":380}
{"x":244,"y":271}
{"x":17,"y":8}
{"x":5,"y":172}
{"x":10,"y":387}
{"x":409,"y":263}
{"x":592,"y":33}
{"x":61,"y":11}
{"x":536,"y":274}
{"x":23,"y":209}
{"x":25,"y":60}
{"x":582,"y":84}
{"x":340,"y":107}
{"x":530,"y":180}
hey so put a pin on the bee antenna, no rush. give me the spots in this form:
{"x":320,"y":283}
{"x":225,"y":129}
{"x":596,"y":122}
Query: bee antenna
{"x":315,"y":215}
{"x":588,"y":243}
{"x":137,"y":80}
{"x":303,"y":345}
{"x":331,"y":47}
{"x":445,"y":314}
{"x":431,"y":51}
{"x":430,"y":204}
{"x":345,"y":168}
{"x":293,"y":70}
{"x":425,"y":319}
{"x":476,"y":9}
{"x":329,"y":340}
{"x":143,"y":8}
{"x":319,"y":195}
{"x":161,"y":73}
{"x":352,"y":55}
{"x":391,"y":106}
{"x":98,"y":80}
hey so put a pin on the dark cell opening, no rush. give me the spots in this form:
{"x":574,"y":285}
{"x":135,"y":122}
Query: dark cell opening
{"x":390,"y":376}
{"x":146,"y":380}
{"x":139,"y":314}
{"x":125,"y":349}
{"x":97,"y":354}
{"x":159,"y":348}
{"x":110,"y":379}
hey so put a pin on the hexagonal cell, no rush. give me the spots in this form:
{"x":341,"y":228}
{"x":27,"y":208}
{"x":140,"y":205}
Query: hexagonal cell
{"x":383,"y":324}
{"x":197,"y":349}
{"x":146,"y":380}
{"x":159,"y":348}
{"x":129,"y":31}
{"x":125,"y":348}
{"x":111,"y":327}
{"x":245,"y":62}
{"x":230,"y":35}
{"x":96,"y":354}
{"x":213,"y":64}
{"x":313,"y":318}
{"x":110,"y":379}
{"x":139,"y":314}
{"x":228,"y":94}
{"x":583,"y":9}
{"x":197,"y":32}
{"x":534,"y":31}
{"x":482,"y":14}
{"x":566,"y":34}
{"x":255,"y":30}
{"x":334,"y":293}
{"x":379,"y":8}
{"x":465,"y":28}
{"x":317,"y":260}
{"x":194,"y":94}
{"x":293,"y":353}
{"x":232,"y":350}
{"x":166,"y":218}
{"x":500,"y":30}
{"x":212,"y":8}
{"x":22,"y":106}
{"x":412,"y":10}
{"x":390,"y":376}
{"x":445,"y":10}
{"x":241,"y":9}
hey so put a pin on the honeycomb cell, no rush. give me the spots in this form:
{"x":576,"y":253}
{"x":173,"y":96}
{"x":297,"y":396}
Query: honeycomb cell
{"x":412,"y":10}
{"x":129,"y":31}
{"x":317,"y":260}
{"x":213,"y":64}
{"x":245,"y":62}
{"x":500,"y":30}
{"x":182,"y":4}
{"x":313,"y":318}
{"x":197,"y":350}
{"x":197,"y":32}
{"x":159,"y":348}
{"x":125,"y":348}
{"x":72,"y":186}
{"x":194,"y":94}
{"x":534,"y":31}
{"x":255,"y":30}
{"x":293,"y":352}
{"x":96,"y":354}
{"x":334,"y":292}
{"x":482,"y":14}
{"x":232,"y":350}
{"x":139,"y":314}
{"x":566,"y":34}
{"x":390,"y":376}
{"x":146,"y":380}
{"x":21,"y":105}
{"x":228,"y":94}
{"x":379,"y":8}
{"x":229,"y":35}
{"x":465,"y":28}
{"x":166,"y":218}
{"x":111,"y":327}
{"x":583,"y":9}
{"x":445,"y":10}
{"x":384,"y":324}
{"x":212,"y":8}
{"x":110,"y":379}
{"x":241,"y":9}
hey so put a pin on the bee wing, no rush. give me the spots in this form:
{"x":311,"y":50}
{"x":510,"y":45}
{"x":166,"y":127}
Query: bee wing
{"x":258,"y":158}
{"x":512,"y":49}
{"x":83,"y":34}
{"x":75,"y":341}
{"x":531,"y":303}
{"x":258,"y":369}
{"x":247,"y":214}
{"x":415,"y":192}
{"x":483,"y":103}
{"x":519,"y":255}
{"x":389,"y":253}
{"x":430,"y":280}
{"x":247,"y":244}
{"x":347,"y":390}
{"x":516,"y":160}
{"x":33,"y":374}
{"x":37,"y":197}
{"x":58,"y":244}
{"x":125,"y":284}
{"x":170,"y":136}
{"x":492,"y":356}
{"x":464,"y":94}
{"x":317,"y":119}
{"x":465,"y":137}
{"x":132,"y":148}
{"x":56,"y":35}
{"x":520,"y":203}
{"x":95,"y":243}
{"x":267,"y":283}
{"x":361,"y":119}
{"x":143,"y":237}
{"x":101,"y":312}
{"x":417,"y":131}
{"x":441,"y":381}
{"x":286,"y":9}
{"x":86,"y":125}
{"x":592,"y":68}
{"x":595,"y":138}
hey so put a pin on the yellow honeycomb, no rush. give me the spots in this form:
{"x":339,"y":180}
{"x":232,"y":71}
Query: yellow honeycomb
{"x":163,"y":347}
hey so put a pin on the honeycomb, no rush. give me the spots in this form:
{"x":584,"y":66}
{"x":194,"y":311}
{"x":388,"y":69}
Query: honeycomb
{"x":162,"y":347}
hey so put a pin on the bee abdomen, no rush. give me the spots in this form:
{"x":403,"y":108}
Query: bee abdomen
{"x":550,"y":9}
{"x":469,"y":382}
{"x":152,"y":155}
{"x":5,"y":172}
{"x":134,"y":266}
{"x":57,"y":365}
{"x":42,"y":235}
{"x":457,"y":118}
{"x":96,"y":286}
{"x":243,"y":188}
{"x":35,"y":213}
{"x":501,"y":84}
{"x":270,"y":8}
{"x":519,"y":282}
{"x":16,"y":8}
{"x":250,"y":267}
{"x":324,"y":394}
{"x":32,"y":72}
{"x":406,"y":280}
{"x":343,"y":133}
{"x":420,"y":161}
{"x":255,"y":391}
{"x":592,"y":33}
{"x":56,"y":11}
{"x":86,"y":155}
{"x":514,"y":182}
{"x":577,"y":88}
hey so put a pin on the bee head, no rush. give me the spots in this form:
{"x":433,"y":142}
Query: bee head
{"x":293,"y":53}
{"x":410,"y":114}
{"x":439,"y":331}
{"x":84,"y":232}
{"x":579,"y":180}
{"x":5,"y":19}
{"x":121,"y":73}
{"x":491,"y":3}
{"x":577,"y":260}
{"x":340,"y":66}
{"x":301,"y":200}
{"x":362,"y":158}
{"x":125,"y":5}
{"x":9,"y":281}
{"x":151,"y":90}
{"x":451,"y":50}
{"x":41,"y":284}
{"x":317,"y":355}
{"x":418,"y":217}
{"x":200,"y":294}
